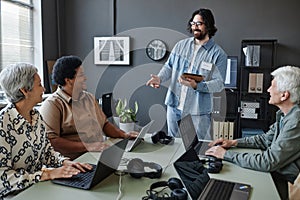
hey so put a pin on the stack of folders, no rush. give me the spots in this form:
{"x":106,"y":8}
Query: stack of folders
{"x":249,"y":109}
{"x":256,"y":81}
{"x":223,"y":130}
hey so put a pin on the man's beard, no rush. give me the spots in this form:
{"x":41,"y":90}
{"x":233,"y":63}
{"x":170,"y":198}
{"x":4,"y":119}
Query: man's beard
{"x":199,"y":35}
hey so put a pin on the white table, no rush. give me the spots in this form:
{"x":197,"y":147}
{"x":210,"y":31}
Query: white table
{"x":261,"y":182}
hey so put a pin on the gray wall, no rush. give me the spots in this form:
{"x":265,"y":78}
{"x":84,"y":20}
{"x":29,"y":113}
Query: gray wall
{"x":70,"y":25}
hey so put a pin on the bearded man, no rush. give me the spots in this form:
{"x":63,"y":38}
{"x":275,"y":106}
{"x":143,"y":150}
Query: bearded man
{"x":197,"y":55}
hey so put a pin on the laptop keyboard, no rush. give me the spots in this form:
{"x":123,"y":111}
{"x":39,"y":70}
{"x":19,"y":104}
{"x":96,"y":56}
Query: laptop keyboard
{"x":80,"y":179}
{"x":220,"y":190}
{"x":201,"y":148}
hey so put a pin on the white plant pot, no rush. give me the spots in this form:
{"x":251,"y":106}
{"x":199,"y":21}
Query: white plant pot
{"x":126,"y":127}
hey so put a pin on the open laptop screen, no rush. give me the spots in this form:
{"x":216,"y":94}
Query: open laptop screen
{"x":192,"y":173}
{"x":187,"y":131}
{"x":199,"y":185}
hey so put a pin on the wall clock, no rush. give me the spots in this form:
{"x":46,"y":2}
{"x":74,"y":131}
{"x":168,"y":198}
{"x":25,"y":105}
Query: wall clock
{"x":156,"y":49}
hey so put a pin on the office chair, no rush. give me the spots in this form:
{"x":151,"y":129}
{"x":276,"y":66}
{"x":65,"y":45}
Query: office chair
{"x":107,"y":104}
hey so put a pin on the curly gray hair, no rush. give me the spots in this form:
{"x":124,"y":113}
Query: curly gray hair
{"x":15,"y":77}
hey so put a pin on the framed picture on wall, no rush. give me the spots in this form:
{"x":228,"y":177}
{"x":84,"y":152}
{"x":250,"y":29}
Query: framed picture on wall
{"x":111,"y":50}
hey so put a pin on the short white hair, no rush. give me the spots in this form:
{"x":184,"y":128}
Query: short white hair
{"x":288,"y":79}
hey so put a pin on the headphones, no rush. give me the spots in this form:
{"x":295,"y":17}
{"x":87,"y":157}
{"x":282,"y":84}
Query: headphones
{"x":136,"y":168}
{"x":162,"y":138}
{"x":177,"y":193}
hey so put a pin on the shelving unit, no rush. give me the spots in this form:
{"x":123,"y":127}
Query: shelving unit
{"x":225,"y":102}
{"x":258,"y":59}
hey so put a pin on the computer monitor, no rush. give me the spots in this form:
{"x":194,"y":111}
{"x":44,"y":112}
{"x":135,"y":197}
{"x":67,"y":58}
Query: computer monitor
{"x":231,"y":72}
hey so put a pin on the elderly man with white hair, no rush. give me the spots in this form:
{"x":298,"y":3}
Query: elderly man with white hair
{"x":280,"y":147}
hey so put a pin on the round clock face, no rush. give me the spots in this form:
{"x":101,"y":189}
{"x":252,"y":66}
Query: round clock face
{"x":156,"y":49}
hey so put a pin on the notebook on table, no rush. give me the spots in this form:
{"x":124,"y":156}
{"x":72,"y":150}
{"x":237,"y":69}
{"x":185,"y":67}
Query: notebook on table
{"x":213,"y":189}
{"x":134,"y":143}
{"x":107,"y":164}
{"x":189,"y":136}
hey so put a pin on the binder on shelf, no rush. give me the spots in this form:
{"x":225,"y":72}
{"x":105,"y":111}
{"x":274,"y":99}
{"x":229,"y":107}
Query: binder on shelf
{"x":249,"y":104}
{"x":248,"y":110}
{"x":249,"y":115}
{"x":221,"y":129}
{"x":216,"y":129}
{"x":231,"y":130}
{"x":259,"y":82}
{"x":225,"y":130}
{"x":252,"y":83}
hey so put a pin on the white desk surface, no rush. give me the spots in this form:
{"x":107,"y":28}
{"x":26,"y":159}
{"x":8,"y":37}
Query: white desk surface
{"x":261,"y":182}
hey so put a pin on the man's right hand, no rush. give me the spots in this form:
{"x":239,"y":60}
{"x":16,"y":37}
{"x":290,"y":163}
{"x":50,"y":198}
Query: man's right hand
{"x":154,"y":81}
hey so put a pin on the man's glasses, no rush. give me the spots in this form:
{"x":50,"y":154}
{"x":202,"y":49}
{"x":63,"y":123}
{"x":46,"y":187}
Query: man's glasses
{"x":192,"y":23}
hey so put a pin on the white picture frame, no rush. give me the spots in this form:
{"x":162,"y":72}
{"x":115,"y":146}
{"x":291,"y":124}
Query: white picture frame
{"x":111,"y":50}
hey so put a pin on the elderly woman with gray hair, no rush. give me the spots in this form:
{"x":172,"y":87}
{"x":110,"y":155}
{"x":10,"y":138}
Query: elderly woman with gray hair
{"x":26,"y":154}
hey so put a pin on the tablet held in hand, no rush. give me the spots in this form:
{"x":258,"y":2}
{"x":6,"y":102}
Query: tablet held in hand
{"x":196,"y":77}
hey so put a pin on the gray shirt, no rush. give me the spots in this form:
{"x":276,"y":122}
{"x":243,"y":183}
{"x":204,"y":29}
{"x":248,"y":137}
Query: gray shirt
{"x":280,"y":147}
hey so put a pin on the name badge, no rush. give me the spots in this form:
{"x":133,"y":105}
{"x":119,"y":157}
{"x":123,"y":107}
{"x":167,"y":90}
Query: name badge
{"x":206,"y":65}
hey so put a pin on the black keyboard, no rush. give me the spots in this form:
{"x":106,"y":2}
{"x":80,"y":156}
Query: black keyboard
{"x":220,"y":190}
{"x":201,"y":148}
{"x":80,"y":179}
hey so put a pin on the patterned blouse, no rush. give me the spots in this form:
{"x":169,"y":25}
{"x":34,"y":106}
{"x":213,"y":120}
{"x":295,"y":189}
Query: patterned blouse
{"x":24,"y":150}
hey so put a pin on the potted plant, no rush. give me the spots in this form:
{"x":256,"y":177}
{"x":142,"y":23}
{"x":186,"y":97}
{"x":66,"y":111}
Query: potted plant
{"x":127,"y":115}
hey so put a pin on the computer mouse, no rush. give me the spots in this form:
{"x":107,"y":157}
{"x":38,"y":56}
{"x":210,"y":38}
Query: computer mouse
{"x":214,"y":164}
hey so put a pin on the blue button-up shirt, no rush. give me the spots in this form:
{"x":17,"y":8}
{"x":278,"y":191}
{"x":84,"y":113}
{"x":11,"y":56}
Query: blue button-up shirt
{"x":198,"y":101}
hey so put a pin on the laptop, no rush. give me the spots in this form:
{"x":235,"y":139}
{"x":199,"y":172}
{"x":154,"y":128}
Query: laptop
{"x":206,"y":187}
{"x":134,"y":143}
{"x":189,"y":136}
{"x":108,"y":163}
